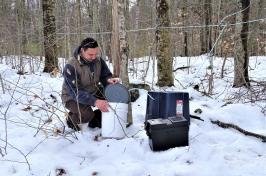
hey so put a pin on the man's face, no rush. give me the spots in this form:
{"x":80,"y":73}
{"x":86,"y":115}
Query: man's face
{"x":89,"y":54}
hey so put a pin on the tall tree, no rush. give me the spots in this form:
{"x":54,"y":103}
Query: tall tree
{"x":95,"y":21}
{"x":206,"y":39}
{"x":208,"y":21}
{"x":49,"y":31}
{"x":79,"y":20}
{"x":67,"y":31}
{"x":115,"y":40}
{"x":21,"y":23}
{"x":105,"y":25}
{"x":184,"y":19}
{"x":124,"y":49}
{"x":255,"y":29}
{"x":241,"y":58}
{"x":165,"y":61}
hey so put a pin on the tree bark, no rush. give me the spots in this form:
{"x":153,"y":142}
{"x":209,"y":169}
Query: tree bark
{"x":241,"y":58}
{"x":67,"y":32}
{"x":185,"y":18}
{"x":165,"y":61}
{"x":115,"y":40}
{"x":21,"y":17}
{"x":79,"y":21}
{"x":95,"y":24}
{"x":255,"y":30}
{"x":208,"y":20}
{"x":49,"y":30}
{"x":124,"y":49}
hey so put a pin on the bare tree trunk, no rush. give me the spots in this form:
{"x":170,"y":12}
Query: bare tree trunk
{"x":184,"y":18}
{"x":135,"y":39}
{"x":104,"y":23}
{"x":203,"y":48}
{"x":67,"y":34}
{"x":255,"y":29}
{"x":216,"y":33}
{"x":115,"y":40}
{"x":208,"y":20}
{"x":165,"y":61}
{"x":50,"y":48}
{"x":206,"y":37}
{"x":95,"y":21}
{"x":40,"y":30}
{"x":19,"y":34}
{"x":241,"y":59}
{"x":124,"y":49}
{"x":79,"y":21}
{"x":21,"y":15}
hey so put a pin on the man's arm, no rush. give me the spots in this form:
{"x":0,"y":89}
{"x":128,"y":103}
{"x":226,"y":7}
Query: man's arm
{"x":72,"y":79}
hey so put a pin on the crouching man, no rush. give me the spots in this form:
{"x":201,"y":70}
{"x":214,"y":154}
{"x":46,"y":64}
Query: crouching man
{"x":83,"y":75}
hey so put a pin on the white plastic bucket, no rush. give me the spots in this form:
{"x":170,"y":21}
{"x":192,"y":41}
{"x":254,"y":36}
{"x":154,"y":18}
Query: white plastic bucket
{"x":114,"y":121}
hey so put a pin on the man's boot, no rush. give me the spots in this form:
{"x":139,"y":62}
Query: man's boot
{"x":70,"y":123}
{"x":97,"y":119}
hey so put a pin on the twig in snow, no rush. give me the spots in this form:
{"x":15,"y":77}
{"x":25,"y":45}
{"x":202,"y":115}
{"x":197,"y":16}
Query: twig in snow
{"x":180,"y":68}
{"x":195,"y":117}
{"x":5,"y":114}
{"x":26,"y":159}
{"x":2,"y":84}
{"x":241,"y":130}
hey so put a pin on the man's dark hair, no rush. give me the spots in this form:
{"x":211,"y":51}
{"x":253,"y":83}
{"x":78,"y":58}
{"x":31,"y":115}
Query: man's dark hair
{"x":88,"y":43}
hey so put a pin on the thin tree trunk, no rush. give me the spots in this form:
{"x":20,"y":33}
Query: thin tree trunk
{"x":185,"y":18}
{"x":103,"y":14}
{"x":216,"y":33}
{"x":241,"y":59}
{"x":95,"y":24}
{"x":254,"y":30}
{"x":79,"y":20}
{"x":115,"y":40}
{"x":67,"y":34}
{"x":124,"y":49}
{"x":203,"y":48}
{"x":50,"y":48}
{"x":165,"y":61}
{"x":208,"y":20}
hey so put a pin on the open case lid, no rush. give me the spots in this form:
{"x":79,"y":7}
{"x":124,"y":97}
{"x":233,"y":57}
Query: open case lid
{"x":116,"y":93}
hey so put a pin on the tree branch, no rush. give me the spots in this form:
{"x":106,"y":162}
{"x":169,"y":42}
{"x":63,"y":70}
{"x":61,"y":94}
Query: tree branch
{"x":247,"y":133}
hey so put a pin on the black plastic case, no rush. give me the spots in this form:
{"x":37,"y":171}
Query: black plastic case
{"x":167,"y":133}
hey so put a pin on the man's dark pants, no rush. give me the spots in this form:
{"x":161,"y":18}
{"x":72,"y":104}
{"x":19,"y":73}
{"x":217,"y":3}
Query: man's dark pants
{"x":80,"y":113}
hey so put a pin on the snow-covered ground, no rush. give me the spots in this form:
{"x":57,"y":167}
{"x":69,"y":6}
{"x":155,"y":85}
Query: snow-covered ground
{"x":32,"y":119}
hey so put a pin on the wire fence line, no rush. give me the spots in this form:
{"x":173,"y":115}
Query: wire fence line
{"x":170,"y":27}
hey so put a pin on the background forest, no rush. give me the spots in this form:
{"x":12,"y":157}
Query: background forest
{"x":194,"y":26}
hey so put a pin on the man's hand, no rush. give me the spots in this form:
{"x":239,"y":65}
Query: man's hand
{"x":102,"y":105}
{"x":113,"y":80}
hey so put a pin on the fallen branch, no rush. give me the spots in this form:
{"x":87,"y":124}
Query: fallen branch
{"x":247,"y":133}
{"x":195,"y":117}
{"x":180,"y":68}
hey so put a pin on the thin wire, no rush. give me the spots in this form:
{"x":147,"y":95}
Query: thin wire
{"x":174,"y":27}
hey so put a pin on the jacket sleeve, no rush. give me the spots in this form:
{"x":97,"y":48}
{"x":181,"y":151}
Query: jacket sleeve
{"x":105,"y":73}
{"x":72,"y":80}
